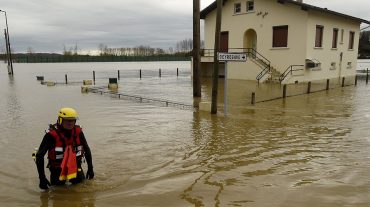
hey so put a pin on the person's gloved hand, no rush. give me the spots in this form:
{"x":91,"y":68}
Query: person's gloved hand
{"x":44,"y":183}
{"x":90,"y":173}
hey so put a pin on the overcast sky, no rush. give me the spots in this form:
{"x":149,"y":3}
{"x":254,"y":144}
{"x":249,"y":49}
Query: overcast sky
{"x":48,"y":25}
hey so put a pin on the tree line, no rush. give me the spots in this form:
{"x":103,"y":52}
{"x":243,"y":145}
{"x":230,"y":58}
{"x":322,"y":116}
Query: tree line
{"x":183,"y":47}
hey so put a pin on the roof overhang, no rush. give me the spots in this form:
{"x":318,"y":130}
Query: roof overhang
{"x":209,"y":9}
{"x":303,"y":6}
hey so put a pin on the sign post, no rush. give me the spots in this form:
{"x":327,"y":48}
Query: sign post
{"x":233,"y":57}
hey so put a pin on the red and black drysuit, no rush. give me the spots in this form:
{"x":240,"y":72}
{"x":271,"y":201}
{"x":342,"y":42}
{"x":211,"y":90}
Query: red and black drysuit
{"x":54,"y":143}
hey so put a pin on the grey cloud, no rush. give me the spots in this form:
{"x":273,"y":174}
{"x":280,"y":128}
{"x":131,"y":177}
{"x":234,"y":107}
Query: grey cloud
{"x":47,"y":25}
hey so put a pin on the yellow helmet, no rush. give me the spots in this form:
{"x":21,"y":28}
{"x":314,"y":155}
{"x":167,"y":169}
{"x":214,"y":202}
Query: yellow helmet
{"x":66,"y":113}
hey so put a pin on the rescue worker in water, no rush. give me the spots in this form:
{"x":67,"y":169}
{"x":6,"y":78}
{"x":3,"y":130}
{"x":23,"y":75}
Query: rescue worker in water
{"x":66,"y":146}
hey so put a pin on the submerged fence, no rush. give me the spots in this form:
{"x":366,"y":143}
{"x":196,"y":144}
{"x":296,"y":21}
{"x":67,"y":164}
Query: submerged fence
{"x":283,"y":91}
{"x":141,"y":99}
{"x":247,"y":93}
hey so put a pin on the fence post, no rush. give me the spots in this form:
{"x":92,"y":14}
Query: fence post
{"x":160,"y":73}
{"x":367,"y":76}
{"x":284,"y":91}
{"x":119,"y":77}
{"x":253,"y":98}
{"x":343,"y":79}
{"x":66,"y":77}
{"x":309,"y":87}
{"x":327,"y":84}
{"x":177,"y":72}
{"x":140,"y":73}
{"x":94,"y":76}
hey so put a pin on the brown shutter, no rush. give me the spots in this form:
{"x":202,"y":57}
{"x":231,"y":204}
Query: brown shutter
{"x":351,"y":40}
{"x":280,"y":36}
{"x":319,"y":36}
{"x":335,"y":38}
{"x":224,"y":42}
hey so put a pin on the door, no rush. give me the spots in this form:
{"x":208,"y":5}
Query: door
{"x":250,"y":41}
{"x":224,"y":42}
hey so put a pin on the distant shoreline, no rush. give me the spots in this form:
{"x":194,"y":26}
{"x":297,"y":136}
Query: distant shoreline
{"x":57,"y":58}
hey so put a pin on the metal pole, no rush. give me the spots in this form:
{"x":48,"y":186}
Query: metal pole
{"x":7,"y":51}
{"x":327,"y":84}
{"x":284,"y":91}
{"x":140,"y":73}
{"x":94,"y":76}
{"x":225,"y":90}
{"x":343,"y":79}
{"x":160,"y":73}
{"x":10,"y":52}
{"x":215,"y":58}
{"x":253,"y":98}
{"x":367,"y":76}
{"x":66,"y":77}
{"x":119,"y":77}
{"x":177,"y":72}
{"x":356,"y":80}
{"x":309,"y":87}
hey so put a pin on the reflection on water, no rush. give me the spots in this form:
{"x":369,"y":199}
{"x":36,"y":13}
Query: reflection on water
{"x":308,"y":150}
{"x":66,"y":196}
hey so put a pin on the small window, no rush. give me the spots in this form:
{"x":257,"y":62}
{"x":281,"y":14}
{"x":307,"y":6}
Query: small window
{"x":341,"y":35}
{"x":237,"y":8}
{"x":335,"y":38}
{"x":349,"y":65}
{"x":280,"y":36}
{"x":250,"y":5}
{"x":351,"y":40}
{"x":333,"y":66}
{"x":319,"y":35}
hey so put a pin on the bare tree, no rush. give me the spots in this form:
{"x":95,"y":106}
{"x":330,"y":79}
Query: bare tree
{"x":30,"y":51}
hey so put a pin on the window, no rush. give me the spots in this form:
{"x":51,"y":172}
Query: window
{"x":341,"y":35}
{"x":250,"y":5}
{"x":319,"y":35}
{"x":237,"y":8}
{"x":280,"y":36}
{"x":351,"y":40}
{"x":335,"y":38}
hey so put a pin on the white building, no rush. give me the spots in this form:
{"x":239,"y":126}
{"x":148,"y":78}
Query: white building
{"x":284,"y":39}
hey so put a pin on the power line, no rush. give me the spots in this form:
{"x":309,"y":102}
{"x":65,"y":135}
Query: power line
{"x":365,"y":28}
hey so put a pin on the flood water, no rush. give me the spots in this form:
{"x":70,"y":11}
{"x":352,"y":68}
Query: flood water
{"x":307,"y":150}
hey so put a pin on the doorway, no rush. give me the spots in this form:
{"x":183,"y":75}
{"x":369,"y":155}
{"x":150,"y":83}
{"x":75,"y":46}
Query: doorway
{"x":224,"y":42}
{"x":250,"y":41}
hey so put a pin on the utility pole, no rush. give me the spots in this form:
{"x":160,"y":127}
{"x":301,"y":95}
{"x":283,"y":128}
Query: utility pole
{"x":215,"y":58}
{"x":196,"y":49}
{"x":10,"y":61}
{"x":7,"y":51}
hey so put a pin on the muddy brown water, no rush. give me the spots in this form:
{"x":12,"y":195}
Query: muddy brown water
{"x":309,"y":150}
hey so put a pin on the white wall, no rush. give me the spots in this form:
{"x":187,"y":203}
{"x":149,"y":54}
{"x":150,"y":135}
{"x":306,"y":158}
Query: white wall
{"x":326,"y":55}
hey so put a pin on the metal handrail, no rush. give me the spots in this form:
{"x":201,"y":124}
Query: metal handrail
{"x":289,"y":70}
{"x":263,"y":73}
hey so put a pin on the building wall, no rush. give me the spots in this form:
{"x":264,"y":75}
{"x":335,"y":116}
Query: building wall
{"x":326,"y":54}
{"x":301,"y":37}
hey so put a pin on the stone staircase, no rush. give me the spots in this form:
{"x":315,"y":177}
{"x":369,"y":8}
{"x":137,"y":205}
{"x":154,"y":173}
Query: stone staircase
{"x":270,"y":74}
{"x":270,"y":77}
{"x":274,"y":76}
